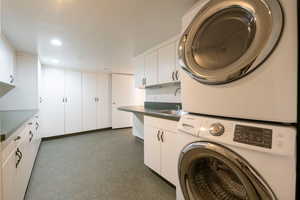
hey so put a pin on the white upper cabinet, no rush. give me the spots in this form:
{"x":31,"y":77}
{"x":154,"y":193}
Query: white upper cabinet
{"x":166,"y":63}
{"x":177,"y":65}
{"x":158,"y":65}
{"x":73,"y":102}
{"x":26,"y":94}
{"x":151,"y":68}
{"x":89,"y":98}
{"x":7,"y":61}
{"x":139,"y":66}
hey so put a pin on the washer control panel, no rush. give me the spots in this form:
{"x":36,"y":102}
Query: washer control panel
{"x":256,"y":136}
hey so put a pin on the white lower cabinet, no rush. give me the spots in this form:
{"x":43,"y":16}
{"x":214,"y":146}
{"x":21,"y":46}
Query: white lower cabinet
{"x":18,"y":158}
{"x":152,"y":148}
{"x":160,"y":147}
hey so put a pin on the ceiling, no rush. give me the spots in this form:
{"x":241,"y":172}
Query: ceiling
{"x":96,"y":34}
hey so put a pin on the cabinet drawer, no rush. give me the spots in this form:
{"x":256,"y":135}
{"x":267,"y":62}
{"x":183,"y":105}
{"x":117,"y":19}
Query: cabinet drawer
{"x":168,"y":125}
{"x":13,"y":142}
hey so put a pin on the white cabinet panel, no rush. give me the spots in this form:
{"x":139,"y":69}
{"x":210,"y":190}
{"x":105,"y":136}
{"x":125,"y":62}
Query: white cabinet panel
{"x":89,"y":89}
{"x":139,"y":65}
{"x":103,"y":101}
{"x":152,"y":148}
{"x":73,"y":102}
{"x":122,"y":95}
{"x":169,"y":157}
{"x":52,"y":107}
{"x":166,"y":63}
{"x":151,"y":68}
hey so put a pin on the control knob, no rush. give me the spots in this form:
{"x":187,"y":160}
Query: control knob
{"x":216,"y":129}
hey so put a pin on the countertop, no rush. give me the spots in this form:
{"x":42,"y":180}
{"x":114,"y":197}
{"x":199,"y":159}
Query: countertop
{"x":151,"y":112}
{"x":10,"y":121}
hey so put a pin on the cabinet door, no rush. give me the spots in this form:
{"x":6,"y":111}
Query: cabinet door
{"x":177,"y":65}
{"x":139,"y":66}
{"x":152,"y":148}
{"x":122,"y":95}
{"x":7,"y":61}
{"x":25,"y":166}
{"x":9,"y":175}
{"x":73,"y":102}
{"x":52,"y":110}
{"x":166,"y":63}
{"x":103,"y":101}
{"x":151,"y":65}
{"x":89,"y":110}
{"x":169,"y":157}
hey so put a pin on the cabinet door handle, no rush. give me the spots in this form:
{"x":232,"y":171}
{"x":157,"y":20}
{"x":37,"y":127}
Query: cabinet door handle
{"x":173,"y":76}
{"x":31,"y":136}
{"x":177,"y":75}
{"x":158,"y":132}
{"x":162,"y":136}
{"x":37,"y":125}
{"x":11,"y":79}
{"x":19,"y":154}
{"x":66,"y":99}
{"x":17,"y":138}
{"x":63,"y":100}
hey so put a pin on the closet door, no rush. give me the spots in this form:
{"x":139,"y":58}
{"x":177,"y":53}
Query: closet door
{"x":103,"y":101}
{"x":89,"y":98}
{"x":73,"y":102}
{"x":122,"y":95}
{"x":52,"y":105}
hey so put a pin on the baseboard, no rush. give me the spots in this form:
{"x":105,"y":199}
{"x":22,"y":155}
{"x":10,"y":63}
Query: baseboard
{"x":122,"y":128}
{"x":75,"y":134}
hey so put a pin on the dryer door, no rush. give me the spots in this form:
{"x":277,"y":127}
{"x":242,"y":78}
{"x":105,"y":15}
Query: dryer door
{"x":208,"y":171}
{"x":230,"y":38}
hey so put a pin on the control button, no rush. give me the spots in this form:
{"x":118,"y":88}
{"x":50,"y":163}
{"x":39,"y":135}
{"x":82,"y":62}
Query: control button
{"x":216,"y":129}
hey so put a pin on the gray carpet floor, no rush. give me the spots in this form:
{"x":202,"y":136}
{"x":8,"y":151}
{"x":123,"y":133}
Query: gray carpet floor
{"x":104,"y":165}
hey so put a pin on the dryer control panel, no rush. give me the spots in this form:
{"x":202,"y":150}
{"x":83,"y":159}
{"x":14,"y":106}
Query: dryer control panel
{"x":251,"y":135}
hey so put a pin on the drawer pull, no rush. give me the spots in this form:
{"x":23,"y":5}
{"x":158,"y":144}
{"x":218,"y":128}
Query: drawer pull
{"x":19,"y":154}
{"x":17,"y":138}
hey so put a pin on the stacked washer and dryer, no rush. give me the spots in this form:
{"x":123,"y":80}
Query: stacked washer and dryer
{"x":239,"y":87}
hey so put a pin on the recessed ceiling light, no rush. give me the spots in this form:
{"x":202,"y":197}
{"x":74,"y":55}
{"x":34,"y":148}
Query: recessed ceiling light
{"x":55,"y":61}
{"x":56,"y":42}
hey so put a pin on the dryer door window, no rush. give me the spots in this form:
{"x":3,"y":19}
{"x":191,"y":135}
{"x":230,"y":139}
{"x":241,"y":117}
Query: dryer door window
{"x":230,"y":38}
{"x":208,"y":171}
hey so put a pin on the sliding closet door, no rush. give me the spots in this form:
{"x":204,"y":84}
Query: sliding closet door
{"x":73,"y":102}
{"x":52,"y":108}
{"x":89,"y":104}
{"x":103,"y":101}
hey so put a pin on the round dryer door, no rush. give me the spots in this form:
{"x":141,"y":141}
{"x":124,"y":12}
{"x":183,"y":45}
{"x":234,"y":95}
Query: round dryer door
{"x":208,"y":171}
{"x":230,"y":38}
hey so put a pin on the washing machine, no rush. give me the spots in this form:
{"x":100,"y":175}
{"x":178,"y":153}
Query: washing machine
{"x":230,"y":159}
{"x":240,"y":59}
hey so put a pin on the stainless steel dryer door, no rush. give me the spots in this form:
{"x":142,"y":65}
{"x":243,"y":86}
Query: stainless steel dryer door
{"x":230,"y":38}
{"x":208,"y":171}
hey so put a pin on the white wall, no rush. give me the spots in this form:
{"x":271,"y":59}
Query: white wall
{"x":25,"y":95}
{"x":164,"y":94}
{"x":139,"y":96}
